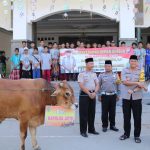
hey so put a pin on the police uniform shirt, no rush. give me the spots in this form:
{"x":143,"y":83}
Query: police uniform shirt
{"x":133,"y":76}
{"x":88,"y":79}
{"x":107,"y":82}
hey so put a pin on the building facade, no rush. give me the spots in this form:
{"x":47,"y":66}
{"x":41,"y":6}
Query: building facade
{"x":65,"y":20}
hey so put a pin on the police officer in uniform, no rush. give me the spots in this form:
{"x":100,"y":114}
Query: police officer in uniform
{"x":89,"y":86}
{"x":132,"y":101}
{"x":109,"y":90}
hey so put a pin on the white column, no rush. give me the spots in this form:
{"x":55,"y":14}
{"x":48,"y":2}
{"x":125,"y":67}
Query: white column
{"x":22,"y":30}
{"x":127,"y":22}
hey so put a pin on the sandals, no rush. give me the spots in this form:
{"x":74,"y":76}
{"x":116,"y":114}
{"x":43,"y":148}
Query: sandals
{"x":124,"y":137}
{"x":137,"y":140}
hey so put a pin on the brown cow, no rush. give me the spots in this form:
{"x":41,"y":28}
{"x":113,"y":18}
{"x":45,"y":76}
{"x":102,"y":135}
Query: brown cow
{"x":25,"y":100}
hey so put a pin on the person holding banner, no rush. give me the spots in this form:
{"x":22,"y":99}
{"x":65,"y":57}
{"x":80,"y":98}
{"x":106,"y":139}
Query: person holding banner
{"x":89,"y":87}
{"x":132,"y":100}
{"x":113,"y":44}
{"x":123,"y":44}
{"x":108,"y":44}
{"x":109,"y":91}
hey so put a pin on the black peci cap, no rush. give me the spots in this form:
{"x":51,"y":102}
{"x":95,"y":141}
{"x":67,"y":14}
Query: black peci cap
{"x":89,"y":60}
{"x":108,"y":62}
{"x":133,"y":57}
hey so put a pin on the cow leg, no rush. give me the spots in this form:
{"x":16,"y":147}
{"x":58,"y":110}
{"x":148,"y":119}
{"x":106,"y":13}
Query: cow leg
{"x":23,"y":134}
{"x":33,"y":138}
{"x":1,"y":120}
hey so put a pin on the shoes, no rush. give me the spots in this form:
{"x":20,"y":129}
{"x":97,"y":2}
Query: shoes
{"x":137,"y":140}
{"x":124,"y":137}
{"x":84,"y":135}
{"x":94,"y":132}
{"x":104,"y":130}
{"x":114,"y":129}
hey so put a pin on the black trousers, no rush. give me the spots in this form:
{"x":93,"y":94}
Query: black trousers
{"x":26,"y":74}
{"x":86,"y":112}
{"x":136,"y":107}
{"x":108,"y":110}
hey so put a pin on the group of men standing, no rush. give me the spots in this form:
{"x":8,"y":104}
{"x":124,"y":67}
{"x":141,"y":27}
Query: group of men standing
{"x":110,"y":87}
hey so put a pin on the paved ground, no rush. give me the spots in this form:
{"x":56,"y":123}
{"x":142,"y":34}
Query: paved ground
{"x":55,"y":138}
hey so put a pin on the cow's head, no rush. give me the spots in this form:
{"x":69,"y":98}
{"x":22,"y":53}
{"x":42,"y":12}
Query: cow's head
{"x":64,"y":95}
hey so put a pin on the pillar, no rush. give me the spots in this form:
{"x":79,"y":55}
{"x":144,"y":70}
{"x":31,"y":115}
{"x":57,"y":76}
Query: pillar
{"x":22,"y":29}
{"x":127,"y":22}
{"x":138,"y":34}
